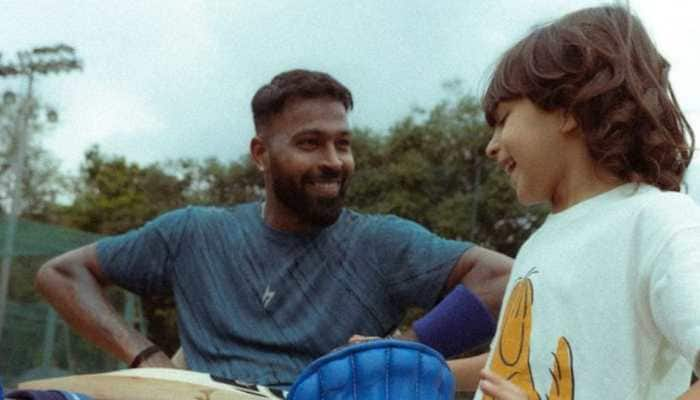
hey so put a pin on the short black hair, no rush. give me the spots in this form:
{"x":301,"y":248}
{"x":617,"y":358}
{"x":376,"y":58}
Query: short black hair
{"x":300,"y":83}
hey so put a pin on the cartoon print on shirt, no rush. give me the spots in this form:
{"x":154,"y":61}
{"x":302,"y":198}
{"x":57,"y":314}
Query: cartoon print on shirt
{"x":511,"y":357}
{"x":562,"y":387}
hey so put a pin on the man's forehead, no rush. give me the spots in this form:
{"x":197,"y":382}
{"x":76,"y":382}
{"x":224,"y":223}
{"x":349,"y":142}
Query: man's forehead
{"x":314,"y":106}
{"x":313,"y":131}
{"x":322,"y":115}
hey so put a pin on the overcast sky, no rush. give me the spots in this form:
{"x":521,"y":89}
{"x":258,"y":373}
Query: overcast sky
{"x":171,"y":79}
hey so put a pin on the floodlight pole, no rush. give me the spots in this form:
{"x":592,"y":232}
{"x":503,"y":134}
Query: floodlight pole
{"x":40,"y":60}
{"x":21,"y":134}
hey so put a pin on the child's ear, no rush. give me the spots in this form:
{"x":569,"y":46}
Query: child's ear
{"x":568,"y":123}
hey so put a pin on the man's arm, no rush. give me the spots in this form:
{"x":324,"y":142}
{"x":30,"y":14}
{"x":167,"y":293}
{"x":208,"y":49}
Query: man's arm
{"x":466,"y":317}
{"x":73,"y":283}
{"x":485,"y":273}
{"x":466,"y":371}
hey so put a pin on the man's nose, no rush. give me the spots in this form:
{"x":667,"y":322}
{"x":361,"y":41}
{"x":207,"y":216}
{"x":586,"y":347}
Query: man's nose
{"x":331,"y":158}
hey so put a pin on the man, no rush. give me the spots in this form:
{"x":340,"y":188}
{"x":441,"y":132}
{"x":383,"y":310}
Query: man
{"x":264,"y":288}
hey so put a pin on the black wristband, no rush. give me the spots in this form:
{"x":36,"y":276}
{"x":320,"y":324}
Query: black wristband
{"x":144,"y":354}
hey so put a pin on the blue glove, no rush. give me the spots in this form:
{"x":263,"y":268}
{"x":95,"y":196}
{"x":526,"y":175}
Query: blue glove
{"x":383,"y":369}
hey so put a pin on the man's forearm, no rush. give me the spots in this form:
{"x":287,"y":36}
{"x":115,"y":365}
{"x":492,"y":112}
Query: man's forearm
{"x":79,"y":299}
{"x":466,"y":371}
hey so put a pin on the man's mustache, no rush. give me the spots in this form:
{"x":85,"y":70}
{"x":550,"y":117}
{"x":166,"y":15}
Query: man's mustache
{"x":326,"y":176}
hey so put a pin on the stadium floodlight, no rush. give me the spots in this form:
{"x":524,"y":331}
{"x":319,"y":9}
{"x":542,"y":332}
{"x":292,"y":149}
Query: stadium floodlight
{"x":28,"y":64}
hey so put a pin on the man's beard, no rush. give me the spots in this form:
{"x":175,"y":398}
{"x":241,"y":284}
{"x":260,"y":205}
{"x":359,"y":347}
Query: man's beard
{"x":314,"y":209}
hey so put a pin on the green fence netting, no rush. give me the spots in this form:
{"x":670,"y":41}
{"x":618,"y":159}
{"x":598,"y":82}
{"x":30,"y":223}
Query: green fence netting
{"x":39,"y":239}
{"x":35,"y":342}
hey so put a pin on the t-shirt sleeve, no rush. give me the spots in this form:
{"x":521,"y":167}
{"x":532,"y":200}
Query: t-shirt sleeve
{"x":675,"y":293}
{"x":415,"y":261}
{"x":141,"y":260}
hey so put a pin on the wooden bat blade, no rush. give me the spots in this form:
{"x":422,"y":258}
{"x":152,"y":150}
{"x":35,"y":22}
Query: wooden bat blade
{"x":150,"y":384}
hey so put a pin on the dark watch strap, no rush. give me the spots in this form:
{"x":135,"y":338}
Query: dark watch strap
{"x":143,"y":355}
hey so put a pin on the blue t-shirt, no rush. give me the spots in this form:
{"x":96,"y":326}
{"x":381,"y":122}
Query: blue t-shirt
{"x":258,"y":304}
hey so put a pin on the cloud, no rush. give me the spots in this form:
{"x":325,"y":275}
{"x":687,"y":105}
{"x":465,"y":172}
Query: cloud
{"x":174,"y":79}
{"x":674,"y":28}
{"x":103,"y":112}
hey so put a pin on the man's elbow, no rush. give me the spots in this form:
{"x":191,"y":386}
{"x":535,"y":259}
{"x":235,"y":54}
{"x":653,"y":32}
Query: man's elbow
{"x":69,"y":270}
{"x":481,"y":264}
{"x":49,"y":277}
{"x":488,"y":276}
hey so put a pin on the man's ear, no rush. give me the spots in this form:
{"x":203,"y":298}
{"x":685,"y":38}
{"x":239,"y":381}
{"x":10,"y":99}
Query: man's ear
{"x":258,"y":151}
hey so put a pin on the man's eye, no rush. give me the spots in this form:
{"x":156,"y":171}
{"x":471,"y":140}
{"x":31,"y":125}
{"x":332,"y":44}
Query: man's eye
{"x":308,"y":143}
{"x":343,"y":144}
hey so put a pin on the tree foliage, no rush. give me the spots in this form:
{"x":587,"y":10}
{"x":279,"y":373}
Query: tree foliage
{"x":217,"y":183}
{"x":432,"y":168}
{"x":113,"y":195}
{"x":41,"y":180}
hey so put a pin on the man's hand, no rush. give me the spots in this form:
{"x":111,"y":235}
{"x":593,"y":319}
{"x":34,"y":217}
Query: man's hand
{"x":409,"y":335}
{"x":361,"y":338}
{"x":467,"y":371}
{"x":157,"y":360}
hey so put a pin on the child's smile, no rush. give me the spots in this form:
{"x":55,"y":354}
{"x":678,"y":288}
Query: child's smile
{"x":544,"y":156}
{"x":528,"y":146}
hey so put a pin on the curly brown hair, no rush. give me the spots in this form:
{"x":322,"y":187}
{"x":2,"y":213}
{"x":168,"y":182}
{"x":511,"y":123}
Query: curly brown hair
{"x":300,"y":83}
{"x":600,"y":66}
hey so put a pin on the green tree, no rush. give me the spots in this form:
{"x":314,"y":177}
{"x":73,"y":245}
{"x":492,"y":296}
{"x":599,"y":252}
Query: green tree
{"x":432,"y":168}
{"x":20,"y":120}
{"x":114,"y":195}
{"x":216,"y":183}
{"x":41,"y":180}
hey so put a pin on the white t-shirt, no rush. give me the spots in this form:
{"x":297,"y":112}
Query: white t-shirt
{"x":604,"y":300}
{"x":691,"y":180}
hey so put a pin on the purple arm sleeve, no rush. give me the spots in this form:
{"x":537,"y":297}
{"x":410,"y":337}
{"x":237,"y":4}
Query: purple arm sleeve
{"x":458,"y":323}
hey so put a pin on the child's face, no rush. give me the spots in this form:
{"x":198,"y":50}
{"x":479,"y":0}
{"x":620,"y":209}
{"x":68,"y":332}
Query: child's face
{"x":531,"y":147}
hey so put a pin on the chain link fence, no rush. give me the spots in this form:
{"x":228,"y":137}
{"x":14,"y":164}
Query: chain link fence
{"x":37,"y":344}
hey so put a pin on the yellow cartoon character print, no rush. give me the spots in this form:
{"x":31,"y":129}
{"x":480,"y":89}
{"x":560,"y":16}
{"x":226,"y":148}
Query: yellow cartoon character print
{"x":511,"y":356}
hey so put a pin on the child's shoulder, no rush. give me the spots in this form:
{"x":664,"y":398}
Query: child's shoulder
{"x":666,"y":208}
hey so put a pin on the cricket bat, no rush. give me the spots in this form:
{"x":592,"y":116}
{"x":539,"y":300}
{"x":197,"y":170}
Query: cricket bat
{"x":155,"y":384}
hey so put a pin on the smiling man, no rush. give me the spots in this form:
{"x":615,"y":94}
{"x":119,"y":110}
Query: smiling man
{"x":264,"y":288}
{"x":305,"y":155}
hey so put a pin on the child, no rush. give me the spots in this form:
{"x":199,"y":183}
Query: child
{"x":604,"y":299}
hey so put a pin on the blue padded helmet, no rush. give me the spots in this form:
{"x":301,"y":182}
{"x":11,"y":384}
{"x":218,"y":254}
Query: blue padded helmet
{"x":383,"y":369}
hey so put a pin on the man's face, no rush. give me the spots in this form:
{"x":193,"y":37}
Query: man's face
{"x":309,"y":160}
